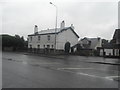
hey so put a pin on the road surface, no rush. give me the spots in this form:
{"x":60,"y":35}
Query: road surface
{"x":32,"y":71}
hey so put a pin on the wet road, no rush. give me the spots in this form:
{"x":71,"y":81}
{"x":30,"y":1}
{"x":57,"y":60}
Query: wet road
{"x":30,"y":71}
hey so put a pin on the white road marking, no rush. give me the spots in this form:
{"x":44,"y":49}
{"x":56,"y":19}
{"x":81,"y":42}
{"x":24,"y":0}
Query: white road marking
{"x":24,"y":62}
{"x":85,"y":74}
{"x":45,"y":63}
{"x":73,"y":68}
{"x":68,"y":68}
{"x":112,"y":77}
{"x":90,"y":75}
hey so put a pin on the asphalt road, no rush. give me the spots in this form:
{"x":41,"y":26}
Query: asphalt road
{"x":30,"y":71}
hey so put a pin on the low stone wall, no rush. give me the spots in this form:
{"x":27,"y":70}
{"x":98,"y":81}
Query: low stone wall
{"x":82,"y":52}
{"x":86,"y":52}
{"x":45,"y":51}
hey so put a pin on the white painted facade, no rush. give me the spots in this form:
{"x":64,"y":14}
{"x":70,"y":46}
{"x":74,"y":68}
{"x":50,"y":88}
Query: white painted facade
{"x":46,"y":38}
{"x":42,"y":42}
{"x":66,"y":36}
{"x":109,"y":52}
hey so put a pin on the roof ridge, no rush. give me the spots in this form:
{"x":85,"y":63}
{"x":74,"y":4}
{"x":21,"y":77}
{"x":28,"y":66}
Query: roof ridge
{"x":52,"y":31}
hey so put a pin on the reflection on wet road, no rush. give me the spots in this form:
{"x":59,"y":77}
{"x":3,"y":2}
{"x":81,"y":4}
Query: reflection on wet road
{"x":21,"y":70}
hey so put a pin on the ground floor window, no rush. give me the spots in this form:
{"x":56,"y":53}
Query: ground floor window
{"x":30,"y":46}
{"x":48,"y":46}
{"x":44,"y":46}
{"x":38,"y":46}
{"x":52,"y":46}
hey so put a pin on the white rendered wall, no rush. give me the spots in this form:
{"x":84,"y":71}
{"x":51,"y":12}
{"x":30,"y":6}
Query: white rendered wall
{"x":61,"y":39}
{"x":99,"y":44}
{"x":66,"y":36}
{"x":108,"y":51}
{"x":101,"y":52}
{"x":43,"y":41}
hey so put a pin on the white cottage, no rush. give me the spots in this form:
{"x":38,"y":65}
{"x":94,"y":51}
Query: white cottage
{"x":46,"y":38}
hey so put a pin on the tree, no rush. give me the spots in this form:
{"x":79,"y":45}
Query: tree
{"x":16,"y":42}
{"x":67,"y":47}
{"x":17,"y":36}
{"x":104,"y":42}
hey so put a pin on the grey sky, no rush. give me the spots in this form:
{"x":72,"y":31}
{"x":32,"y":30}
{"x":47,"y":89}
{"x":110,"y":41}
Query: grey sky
{"x":90,"y":19}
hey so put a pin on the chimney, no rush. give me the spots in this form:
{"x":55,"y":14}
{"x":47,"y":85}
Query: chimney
{"x":62,"y":24}
{"x":72,"y":26}
{"x":35,"y":29}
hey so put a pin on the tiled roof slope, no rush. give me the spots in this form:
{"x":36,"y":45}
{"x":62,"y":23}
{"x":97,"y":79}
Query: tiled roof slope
{"x":117,"y":36}
{"x":52,"y":31}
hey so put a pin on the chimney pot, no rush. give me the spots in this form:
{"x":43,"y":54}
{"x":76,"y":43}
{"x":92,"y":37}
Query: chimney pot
{"x":35,"y":29}
{"x":72,"y":26}
{"x":62,"y":24}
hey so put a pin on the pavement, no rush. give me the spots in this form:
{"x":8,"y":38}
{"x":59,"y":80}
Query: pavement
{"x":110,"y":61}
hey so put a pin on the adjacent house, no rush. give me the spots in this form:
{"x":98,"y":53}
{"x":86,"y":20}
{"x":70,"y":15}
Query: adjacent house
{"x":87,"y":46}
{"x":109,"y":50}
{"x":113,"y":48}
{"x":90,"y":43}
{"x":53,"y":38}
{"x":116,"y":37}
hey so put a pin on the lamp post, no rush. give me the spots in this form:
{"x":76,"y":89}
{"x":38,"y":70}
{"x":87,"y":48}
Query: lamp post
{"x":55,"y":23}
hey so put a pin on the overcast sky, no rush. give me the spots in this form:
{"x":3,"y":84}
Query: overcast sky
{"x":90,"y":19}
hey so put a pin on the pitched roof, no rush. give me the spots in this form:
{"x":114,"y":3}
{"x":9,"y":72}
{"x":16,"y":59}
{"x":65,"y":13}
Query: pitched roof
{"x":117,"y":36}
{"x":52,"y":31}
{"x":92,"y":42}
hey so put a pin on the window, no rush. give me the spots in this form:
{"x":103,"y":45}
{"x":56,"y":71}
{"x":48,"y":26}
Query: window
{"x":48,"y":37}
{"x":44,"y":46}
{"x":30,"y":46}
{"x":38,"y":38}
{"x":52,"y":46}
{"x":48,"y":46}
{"x":38,"y":46}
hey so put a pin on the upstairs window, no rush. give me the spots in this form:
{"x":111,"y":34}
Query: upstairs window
{"x":48,"y":37}
{"x":38,"y":38}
